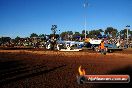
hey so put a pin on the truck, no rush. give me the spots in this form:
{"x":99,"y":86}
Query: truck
{"x":94,"y":43}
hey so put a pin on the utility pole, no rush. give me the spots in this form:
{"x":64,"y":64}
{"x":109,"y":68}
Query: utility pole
{"x":85,"y":17}
{"x":127,"y":27}
{"x":59,"y":35}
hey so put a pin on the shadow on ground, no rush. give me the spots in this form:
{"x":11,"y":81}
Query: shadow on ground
{"x":12,"y":71}
{"x":9,"y":64}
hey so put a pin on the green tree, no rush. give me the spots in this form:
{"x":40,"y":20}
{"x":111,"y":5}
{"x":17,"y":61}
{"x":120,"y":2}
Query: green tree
{"x":94,"y":33}
{"x":52,"y":35}
{"x":100,"y":30}
{"x":82,"y":36}
{"x":123,"y":33}
{"x":68,"y":35}
{"x":70,"y":32}
{"x":54,"y":29}
{"x":17,"y":39}
{"x":111,"y":31}
{"x":64,"y":35}
{"x":42,"y":35}
{"x":130,"y":35}
{"x":83,"y":32}
{"x":5,"y":39}
{"x":76,"y":35}
{"x":33,"y":35}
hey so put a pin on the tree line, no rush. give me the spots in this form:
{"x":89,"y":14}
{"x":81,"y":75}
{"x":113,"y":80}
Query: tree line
{"x":110,"y":32}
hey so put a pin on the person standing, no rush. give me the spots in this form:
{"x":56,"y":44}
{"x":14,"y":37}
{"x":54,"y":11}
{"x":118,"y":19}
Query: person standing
{"x":102,"y":47}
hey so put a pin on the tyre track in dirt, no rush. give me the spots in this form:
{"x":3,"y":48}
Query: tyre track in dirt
{"x":62,"y":67}
{"x":25,"y":72}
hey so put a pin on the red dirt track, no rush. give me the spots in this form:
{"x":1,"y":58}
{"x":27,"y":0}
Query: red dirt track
{"x":53,"y":69}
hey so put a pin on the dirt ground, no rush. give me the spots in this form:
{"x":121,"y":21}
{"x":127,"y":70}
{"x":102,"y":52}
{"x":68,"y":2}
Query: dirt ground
{"x":39,"y":68}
